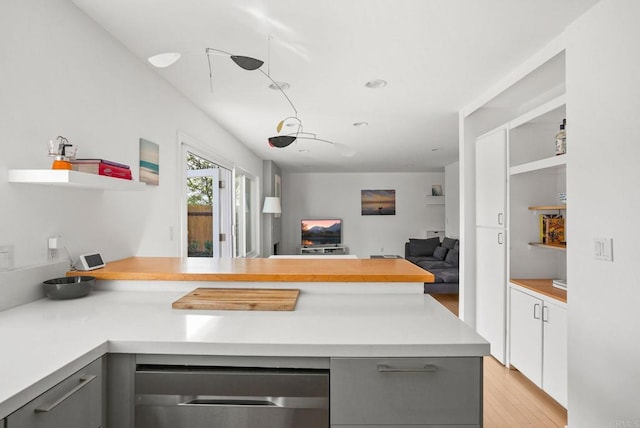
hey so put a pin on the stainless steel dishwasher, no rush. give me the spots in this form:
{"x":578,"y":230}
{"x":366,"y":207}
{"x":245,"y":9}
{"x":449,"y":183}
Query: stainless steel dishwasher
{"x":221,"y":397}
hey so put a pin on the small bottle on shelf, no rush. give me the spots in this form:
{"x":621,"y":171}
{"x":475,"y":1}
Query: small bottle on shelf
{"x":561,"y":139}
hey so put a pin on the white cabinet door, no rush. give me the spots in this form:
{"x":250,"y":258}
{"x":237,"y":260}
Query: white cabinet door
{"x":526,"y":335}
{"x":554,"y":378}
{"x":491,"y":288}
{"x":491,"y":179}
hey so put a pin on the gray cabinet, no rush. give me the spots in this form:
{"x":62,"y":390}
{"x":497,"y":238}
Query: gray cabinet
{"x":76,"y":402}
{"x":418,"y":392}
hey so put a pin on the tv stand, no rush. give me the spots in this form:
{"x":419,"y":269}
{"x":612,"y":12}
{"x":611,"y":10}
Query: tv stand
{"x":336,"y":249}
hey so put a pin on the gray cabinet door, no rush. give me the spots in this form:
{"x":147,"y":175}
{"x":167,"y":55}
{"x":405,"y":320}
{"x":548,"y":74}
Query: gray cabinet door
{"x":76,"y":402}
{"x":406,"y":391}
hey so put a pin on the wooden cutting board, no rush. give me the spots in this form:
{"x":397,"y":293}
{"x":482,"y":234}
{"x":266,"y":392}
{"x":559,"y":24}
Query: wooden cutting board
{"x":240,"y":299}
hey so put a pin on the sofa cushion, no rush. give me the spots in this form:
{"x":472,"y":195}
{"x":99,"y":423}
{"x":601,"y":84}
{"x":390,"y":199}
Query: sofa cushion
{"x":418,"y":260}
{"x":446,"y":275}
{"x":423,"y":247}
{"x":434,"y":264}
{"x":453,"y":257}
{"x":449,"y":243}
{"x":440,"y":253}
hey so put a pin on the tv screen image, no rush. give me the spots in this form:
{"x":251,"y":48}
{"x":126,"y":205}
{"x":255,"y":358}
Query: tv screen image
{"x":321,"y":232}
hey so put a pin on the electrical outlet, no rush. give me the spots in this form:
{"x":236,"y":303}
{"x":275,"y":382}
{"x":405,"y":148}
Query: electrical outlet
{"x":54,"y":245}
{"x":6,"y":257}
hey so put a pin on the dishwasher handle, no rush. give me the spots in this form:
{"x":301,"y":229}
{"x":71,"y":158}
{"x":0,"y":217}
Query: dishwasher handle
{"x":47,"y":407}
{"x":228,"y":401}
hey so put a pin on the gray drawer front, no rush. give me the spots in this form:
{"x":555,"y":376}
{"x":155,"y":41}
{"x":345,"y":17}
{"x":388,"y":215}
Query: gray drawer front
{"x":76,"y":402}
{"x":406,"y":391}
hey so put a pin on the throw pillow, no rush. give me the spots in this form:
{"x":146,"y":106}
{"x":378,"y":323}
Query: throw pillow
{"x":449,"y":243}
{"x":440,"y":253}
{"x":453,"y":257}
{"x":423,"y":247}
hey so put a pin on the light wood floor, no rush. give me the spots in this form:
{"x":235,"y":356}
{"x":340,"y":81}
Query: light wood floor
{"x":510,"y":399}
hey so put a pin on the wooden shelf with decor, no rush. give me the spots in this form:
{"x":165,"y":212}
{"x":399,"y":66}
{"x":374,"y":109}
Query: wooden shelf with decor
{"x":73,"y":179}
{"x":558,"y":246}
{"x":548,"y":208}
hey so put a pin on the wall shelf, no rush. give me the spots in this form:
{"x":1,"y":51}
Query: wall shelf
{"x":561,"y":247}
{"x":551,"y":162}
{"x":435,"y":200}
{"x":73,"y":179}
{"x":548,"y":208}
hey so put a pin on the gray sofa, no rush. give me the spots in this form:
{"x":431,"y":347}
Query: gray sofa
{"x":439,"y":258}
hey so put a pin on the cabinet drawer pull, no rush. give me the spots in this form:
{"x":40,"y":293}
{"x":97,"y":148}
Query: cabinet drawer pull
{"x":384,"y":368}
{"x":500,"y":218}
{"x":545,"y":313}
{"x":47,"y":407}
{"x":536,"y":311}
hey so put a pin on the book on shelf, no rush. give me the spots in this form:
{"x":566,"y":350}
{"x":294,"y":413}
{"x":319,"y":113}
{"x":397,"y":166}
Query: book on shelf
{"x":554,"y":231}
{"x":551,"y":228}
{"x":104,"y":169}
{"x":99,"y":161}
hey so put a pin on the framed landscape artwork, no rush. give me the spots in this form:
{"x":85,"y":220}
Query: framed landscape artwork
{"x":149,"y":162}
{"x":378,"y":202}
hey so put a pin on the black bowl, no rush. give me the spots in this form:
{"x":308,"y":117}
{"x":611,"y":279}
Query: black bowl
{"x":69,"y":287}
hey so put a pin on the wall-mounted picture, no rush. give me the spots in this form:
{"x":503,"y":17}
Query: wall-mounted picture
{"x":378,"y":202}
{"x":436,"y":190}
{"x":149,"y":162}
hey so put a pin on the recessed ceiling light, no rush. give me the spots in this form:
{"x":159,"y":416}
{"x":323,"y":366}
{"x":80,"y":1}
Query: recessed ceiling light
{"x":375,"y":84}
{"x":361,"y":123}
{"x":282,"y":85}
{"x":304,"y":150}
{"x":436,"y":149}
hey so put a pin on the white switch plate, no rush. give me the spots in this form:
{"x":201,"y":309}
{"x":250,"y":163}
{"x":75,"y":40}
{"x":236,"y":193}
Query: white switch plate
{"x":603,"y":249}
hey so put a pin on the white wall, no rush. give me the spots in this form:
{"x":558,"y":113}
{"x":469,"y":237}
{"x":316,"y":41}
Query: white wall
{"x":317,"y":195}
{"x":452,"y":200}
{"x":61,"y":74}
{"x":603,"y":140}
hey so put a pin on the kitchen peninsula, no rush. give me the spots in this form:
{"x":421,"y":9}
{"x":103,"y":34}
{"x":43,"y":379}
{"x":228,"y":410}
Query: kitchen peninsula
{"x":397,"y":339}
{"x":321,"y":275}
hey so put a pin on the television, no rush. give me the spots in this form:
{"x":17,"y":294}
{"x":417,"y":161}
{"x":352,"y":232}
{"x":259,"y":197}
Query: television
{"x":321,"y":232}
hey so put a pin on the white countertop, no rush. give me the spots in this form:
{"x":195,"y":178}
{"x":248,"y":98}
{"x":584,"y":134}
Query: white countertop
{"x":45,"y":341}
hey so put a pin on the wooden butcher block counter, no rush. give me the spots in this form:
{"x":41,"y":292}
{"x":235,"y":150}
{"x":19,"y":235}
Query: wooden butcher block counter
{"x":260,"y":270}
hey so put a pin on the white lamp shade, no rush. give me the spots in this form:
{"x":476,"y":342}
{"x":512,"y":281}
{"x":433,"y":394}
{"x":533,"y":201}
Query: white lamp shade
{"x":272,"y":205}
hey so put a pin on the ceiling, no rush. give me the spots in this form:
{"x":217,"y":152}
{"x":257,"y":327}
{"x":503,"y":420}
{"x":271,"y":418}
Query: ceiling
{"x":436,"y":56}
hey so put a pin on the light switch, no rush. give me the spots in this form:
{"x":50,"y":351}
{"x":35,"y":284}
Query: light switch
{"x":603,"y":249}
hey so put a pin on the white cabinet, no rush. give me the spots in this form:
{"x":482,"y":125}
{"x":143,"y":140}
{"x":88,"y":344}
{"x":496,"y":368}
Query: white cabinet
{"x":416,"y":392}
{"x":554,"y":356}
{"x":526,"y":335}
{"x":538,"y":341}
{"x":76,"y":402}
{"x":491,"y":235}
{"x":491,"y":288}
{"x":491,"y":179}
